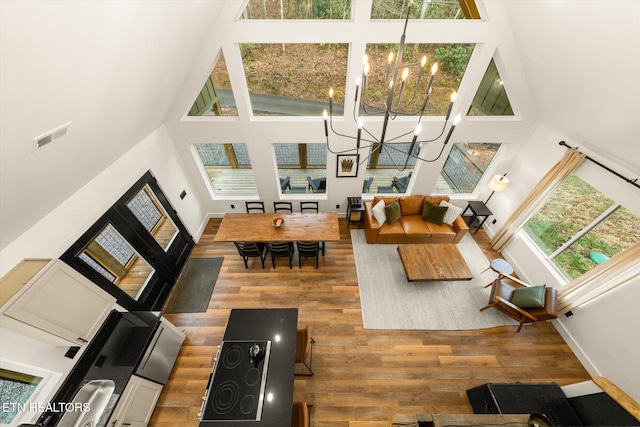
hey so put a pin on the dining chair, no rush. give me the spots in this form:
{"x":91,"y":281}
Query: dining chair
{"x":300,"y":415}
{"x":308,"y":206}
{"x":281,"y":250}
{"x":251,"y":250}
{"x":282,"y":207}
{"x":255,"y":206}
{"x":311,"y":207}
{"x":304,"y":348}
{"x":308,"y":250}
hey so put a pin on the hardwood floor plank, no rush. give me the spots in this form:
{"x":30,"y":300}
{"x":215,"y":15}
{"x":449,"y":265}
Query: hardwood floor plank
{"x":361,"y":375}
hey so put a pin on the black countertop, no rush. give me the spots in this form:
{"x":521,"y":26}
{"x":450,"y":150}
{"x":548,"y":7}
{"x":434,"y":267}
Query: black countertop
{"x":279,"y":325}
{"x":114,"y":353}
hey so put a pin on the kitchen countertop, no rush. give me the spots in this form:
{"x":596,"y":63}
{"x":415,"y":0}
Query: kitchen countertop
{"x":279,"y":326}
{"x":113,"y":354}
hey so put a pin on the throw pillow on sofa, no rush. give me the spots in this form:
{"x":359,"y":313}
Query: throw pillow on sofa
{"x":452,"y":212}
{"x":529,"y":297}
{"x":378,"y":213}
{"x":392,"y":211}
{"x":433,"y":213}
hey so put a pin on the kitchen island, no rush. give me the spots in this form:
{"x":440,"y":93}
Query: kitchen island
{"x":273,"y":332}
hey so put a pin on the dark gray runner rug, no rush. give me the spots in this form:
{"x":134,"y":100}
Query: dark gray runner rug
{"x":389,"y":301}
{"x":194,"y":287}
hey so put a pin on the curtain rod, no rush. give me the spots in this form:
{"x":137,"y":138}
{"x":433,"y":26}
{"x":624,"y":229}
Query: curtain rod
{"x":630,"y":181}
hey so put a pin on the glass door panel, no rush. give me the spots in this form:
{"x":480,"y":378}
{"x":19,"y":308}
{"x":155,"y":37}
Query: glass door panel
{"x":150,"y":213}
{"x":113,"y":257}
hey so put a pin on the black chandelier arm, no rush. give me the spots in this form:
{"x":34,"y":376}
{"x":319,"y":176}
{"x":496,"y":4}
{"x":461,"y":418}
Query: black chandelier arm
{"x":376,"y":148}
{"x":399,"y":136}
{"x":416,"y":156}
{"x":437,"y":137}
{"x":379,"y":112}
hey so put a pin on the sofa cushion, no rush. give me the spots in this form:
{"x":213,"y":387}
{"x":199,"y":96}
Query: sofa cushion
{"x":414,"y":225}
{"x":392,"y":211}
{"x":440,"y":230}
{"x":411,"y":205}
{"x":531,"y":296}
{"x":435,"y":200}
{"x":394,"y":230}
{"x":387,"y":200}
{"x":378,"y":212}
{"x":433,"y":213}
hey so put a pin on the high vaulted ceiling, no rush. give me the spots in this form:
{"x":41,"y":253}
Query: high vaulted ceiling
{"x":116,"y":70}
{"x":582,"y":64}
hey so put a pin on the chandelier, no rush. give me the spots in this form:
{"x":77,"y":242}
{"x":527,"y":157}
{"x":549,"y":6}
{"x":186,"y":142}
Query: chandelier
{"x":396,"y":103}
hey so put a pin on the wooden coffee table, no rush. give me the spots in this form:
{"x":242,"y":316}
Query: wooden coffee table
{"x":433,"y":262}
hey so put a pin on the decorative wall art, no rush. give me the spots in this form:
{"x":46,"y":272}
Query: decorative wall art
{"x":347,"y":166}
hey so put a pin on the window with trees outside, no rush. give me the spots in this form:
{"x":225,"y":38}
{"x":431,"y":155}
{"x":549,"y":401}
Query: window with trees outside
{"x":579,"y":228}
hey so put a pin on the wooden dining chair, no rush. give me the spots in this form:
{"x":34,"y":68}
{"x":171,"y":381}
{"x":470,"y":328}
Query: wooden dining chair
{"x":281,"y":250}
{"x":282,"y":207}
{"x":308,"y":250}
{"x":251,"y":250}
{"x":300,"y":415}
{"x":308,"y":206}
{"x":304,"y":348}
{"x":254,"y":206}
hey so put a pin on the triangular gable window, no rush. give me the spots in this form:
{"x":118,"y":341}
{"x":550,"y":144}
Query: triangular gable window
{"x":216,"y":97}
{"x":491,"y":98}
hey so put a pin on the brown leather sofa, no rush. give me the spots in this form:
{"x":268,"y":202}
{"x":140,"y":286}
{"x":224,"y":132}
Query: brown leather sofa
{"x":411,"y":228}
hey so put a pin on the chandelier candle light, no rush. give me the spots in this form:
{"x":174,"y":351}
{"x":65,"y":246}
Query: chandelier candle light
{"x":393,"y":107}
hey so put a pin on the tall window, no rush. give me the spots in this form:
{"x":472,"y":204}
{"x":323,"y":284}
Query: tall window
{"x":228,"y":168}
{"x":579,"y":228}
{"x":425,"y":9}
{"x":297,"y":9}
{"x":294,"y":79}
{"x":216,"y":97}
{"x":452,"y":62}
{"x":297,"y":163}
{"x":465,"y":167}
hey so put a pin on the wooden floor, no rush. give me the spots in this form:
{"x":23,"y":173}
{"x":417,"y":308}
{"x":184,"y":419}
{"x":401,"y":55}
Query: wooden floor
{"x":361,"y":376}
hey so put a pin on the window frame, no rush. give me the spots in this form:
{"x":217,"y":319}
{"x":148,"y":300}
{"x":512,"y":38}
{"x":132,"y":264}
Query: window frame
{"x":548,"y":260}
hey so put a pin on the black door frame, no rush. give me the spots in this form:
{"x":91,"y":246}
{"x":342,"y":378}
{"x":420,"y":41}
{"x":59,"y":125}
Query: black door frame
{"x":167,"y":264}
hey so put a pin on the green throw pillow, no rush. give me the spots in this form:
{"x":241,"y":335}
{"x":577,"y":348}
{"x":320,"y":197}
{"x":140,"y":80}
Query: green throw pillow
{"x":530,"y":297}
{"x":433,"y":213}
{"x":392,"y":211}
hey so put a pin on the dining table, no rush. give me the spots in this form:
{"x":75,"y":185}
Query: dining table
{"x":295,"y":227}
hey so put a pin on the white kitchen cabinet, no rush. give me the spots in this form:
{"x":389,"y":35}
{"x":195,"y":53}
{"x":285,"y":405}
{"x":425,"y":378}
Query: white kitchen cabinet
{"x":136,"y":405}
{"x":60,"y":302}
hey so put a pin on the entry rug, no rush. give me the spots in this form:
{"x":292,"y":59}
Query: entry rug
{"x":389,"y":301}
{"x":194,"y":287}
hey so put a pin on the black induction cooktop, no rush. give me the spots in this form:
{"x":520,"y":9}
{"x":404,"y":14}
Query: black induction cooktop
{"x":237,"y":384}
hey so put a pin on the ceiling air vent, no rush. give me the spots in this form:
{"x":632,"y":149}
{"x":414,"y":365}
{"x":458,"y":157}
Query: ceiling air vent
{"x":50,"y":136}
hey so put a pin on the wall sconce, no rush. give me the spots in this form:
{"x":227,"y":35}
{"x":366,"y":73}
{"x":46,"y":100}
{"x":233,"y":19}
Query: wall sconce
{"x":497,"y":183}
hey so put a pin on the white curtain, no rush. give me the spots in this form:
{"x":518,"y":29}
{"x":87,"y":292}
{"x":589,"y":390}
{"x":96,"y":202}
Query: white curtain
{"x":621,"y":269}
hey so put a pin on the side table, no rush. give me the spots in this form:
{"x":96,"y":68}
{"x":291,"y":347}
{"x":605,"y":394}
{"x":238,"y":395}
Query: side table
{"x":479,"y":210}
{"x":354,"y":212}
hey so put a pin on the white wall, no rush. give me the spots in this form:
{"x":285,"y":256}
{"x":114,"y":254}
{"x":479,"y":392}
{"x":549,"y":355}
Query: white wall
{"x":51,"y":236}
{"x":603,"y":333}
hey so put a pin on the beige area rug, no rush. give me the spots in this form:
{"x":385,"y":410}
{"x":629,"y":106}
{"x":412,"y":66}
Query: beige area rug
{"x":389,"y":301}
